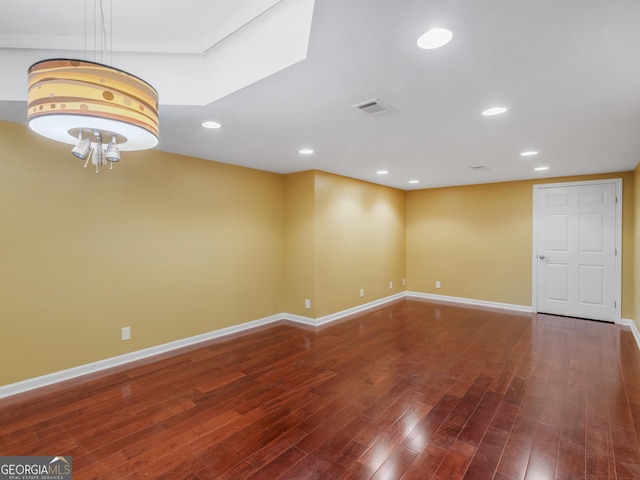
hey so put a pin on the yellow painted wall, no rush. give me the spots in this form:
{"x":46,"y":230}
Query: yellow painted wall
{"x":360,"y":242}
{"x":472,"y":240}
{"x":300,"y":243}
{"x":477,"y":241}
{"x":169,"y":245}
{"x":175,"y":246}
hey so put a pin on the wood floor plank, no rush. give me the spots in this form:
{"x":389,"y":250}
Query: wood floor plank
{"x":485,"y":461}
{"x":310,"y":466}
{"x":635,"y":414}
{"x":626,"y":453}
{"x":501,"y":476}
{"x":456,"y":461}
{"x":600,"y":464}
{"x":217,"y":460}
{"x":516,"y":391}
{"x":382,"y":439}
{"x":347,"y":419}
{"x":413,"y":389}
{"x":571,"y":460}
{"x":554,"y":398}
{"x":572,"y":425}
{"x":278,"y":465}
{"x":515,"y":457}
{"x":274,"y":449}
{"x":395,"y":465}
{"x":448,"y":431}
{"x":505,"y":417}
{"x":544,"y":453}
{"x":471,"y":398}
{"x":475,"y":429}
{"x":421,"y":435}
{"x":425,"y":465}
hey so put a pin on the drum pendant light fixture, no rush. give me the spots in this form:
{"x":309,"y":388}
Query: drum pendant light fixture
{"x":74,"y":100}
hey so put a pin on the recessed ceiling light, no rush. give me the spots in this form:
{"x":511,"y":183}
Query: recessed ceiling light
{"x":305,"y":151}
{"x":540,"y":169}
{"x":211,"y":124}
{"x":414,"y":181}
{"x":382,"y":172}
{"x":494,"y":111}
{"x":529,"y":153}
{"x":435,"y":38}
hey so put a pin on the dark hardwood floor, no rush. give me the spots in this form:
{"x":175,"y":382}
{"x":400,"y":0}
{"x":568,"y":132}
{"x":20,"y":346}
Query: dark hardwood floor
{"x":413,"y":390}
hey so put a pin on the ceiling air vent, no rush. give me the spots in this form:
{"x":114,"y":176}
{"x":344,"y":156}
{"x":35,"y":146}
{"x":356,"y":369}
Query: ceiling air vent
{"x":374,"y":107}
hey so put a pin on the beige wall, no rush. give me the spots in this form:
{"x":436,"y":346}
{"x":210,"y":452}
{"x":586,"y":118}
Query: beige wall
{"x":341,"y":235}
{"x":174,"y":246}
{"x":477,"y":241}
{"x":360,"y":242}
{"x":169,"y":245}
{"x":299,"y":241}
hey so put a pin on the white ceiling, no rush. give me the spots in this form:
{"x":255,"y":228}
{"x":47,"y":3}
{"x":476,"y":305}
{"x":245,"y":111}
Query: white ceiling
{"x":282,"y":75}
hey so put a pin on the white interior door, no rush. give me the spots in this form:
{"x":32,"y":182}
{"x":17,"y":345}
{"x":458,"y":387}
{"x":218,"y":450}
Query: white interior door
{"x":577,"y":249}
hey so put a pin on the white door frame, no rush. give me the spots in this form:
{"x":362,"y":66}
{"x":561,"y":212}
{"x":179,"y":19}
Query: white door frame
{"x":618,"y":240}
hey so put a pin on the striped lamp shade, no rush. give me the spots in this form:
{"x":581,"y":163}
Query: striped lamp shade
{"x":67,"y":97}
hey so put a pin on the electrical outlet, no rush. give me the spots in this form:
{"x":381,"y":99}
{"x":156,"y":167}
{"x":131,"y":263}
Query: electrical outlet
{"x":126,"y":333}
{"x":361,"y":292}
{"x":390,"y":284}
{"x":404,"y":281}
{"x":307,"y":303}
{"x":437,"y":283}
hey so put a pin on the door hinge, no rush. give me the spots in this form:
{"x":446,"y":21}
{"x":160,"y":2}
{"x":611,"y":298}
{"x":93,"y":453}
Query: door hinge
{"x":615,"y":304}
{"x":616,"y":199}
{"x":616,"y":252}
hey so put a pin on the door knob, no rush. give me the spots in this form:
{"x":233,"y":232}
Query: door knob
{"x":541,"y":257}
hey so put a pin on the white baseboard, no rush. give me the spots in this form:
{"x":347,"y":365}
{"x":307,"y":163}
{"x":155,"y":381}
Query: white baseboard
{"x":470,"y":301}
{"x":507,"y":306}
{"x":634,"y":329}
{"x":68,"y":374}
{"x":56,"y":377}
{"x":344,"y":313}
